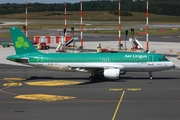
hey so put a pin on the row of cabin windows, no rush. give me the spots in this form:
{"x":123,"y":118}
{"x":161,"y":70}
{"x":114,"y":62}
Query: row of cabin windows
{"x":94,"y":60}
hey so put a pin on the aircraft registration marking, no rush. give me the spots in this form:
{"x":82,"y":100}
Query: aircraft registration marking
{"x":43,"y":97}
{"x":53,"y":83}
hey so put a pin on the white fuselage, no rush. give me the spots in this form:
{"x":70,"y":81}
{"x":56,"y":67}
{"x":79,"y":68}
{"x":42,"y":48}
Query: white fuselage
{"x":125,"y":66}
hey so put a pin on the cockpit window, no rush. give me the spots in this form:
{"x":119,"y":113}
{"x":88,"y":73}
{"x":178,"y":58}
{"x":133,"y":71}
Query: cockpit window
{"x":163,"y":59}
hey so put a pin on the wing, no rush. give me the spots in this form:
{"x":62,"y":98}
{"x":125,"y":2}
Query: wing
{"x":96,"y":69}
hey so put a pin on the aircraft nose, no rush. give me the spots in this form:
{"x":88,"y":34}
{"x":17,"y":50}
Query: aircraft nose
{"x":172,"y":65}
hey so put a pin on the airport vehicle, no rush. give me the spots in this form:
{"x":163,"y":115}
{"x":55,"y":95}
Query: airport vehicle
{"x":107,"y":65}
{"x":5,"y":44}
{"x":43,"y":46}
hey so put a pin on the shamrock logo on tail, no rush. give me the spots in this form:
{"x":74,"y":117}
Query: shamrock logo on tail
{"x":21,"y":43}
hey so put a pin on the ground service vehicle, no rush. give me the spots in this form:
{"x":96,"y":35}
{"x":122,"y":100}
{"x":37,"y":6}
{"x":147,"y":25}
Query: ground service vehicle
{"x":43,"y":46}
{"x":5,"y":44}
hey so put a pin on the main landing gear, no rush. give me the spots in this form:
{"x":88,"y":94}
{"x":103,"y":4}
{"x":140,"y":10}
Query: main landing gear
{"x":150,"y":76}
{"x":91,"y":78}
{"x":94,"y":77}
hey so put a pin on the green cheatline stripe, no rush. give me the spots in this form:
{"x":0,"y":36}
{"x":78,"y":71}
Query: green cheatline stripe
{"x":71,"y":60}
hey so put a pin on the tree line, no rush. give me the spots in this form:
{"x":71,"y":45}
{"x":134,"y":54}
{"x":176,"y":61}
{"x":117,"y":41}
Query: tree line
{"x":163,"y":7}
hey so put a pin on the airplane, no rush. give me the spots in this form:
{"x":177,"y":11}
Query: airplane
{"x":107,"y":65}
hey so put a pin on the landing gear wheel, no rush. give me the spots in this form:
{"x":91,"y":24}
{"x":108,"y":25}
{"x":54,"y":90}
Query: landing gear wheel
{"x":150,"y":76}
{"x":94,"y":77}
{"x":91,"y":78}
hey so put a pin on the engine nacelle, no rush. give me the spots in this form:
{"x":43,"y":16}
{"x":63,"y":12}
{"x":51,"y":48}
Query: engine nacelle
{"x":112,"y":73}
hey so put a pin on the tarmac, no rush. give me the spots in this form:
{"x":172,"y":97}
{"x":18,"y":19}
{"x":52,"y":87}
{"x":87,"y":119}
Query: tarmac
{"x":32,"y":93}
{"x":50,"y":95}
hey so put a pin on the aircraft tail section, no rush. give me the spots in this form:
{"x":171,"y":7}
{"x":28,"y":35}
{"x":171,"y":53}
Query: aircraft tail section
{"x":21,"y":44}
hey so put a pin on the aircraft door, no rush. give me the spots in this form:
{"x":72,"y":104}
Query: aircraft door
{"x":150,"y":60}
{"x":39,"y":60}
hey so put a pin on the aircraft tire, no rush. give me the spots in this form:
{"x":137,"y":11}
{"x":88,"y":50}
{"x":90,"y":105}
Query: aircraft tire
{"x":91,"y":78}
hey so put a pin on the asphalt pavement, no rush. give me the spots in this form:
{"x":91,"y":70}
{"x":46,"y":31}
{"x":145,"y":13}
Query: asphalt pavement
{"x":31,"y":93}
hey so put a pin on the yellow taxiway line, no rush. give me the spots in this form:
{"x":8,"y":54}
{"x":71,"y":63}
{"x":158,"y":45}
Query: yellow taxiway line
{"x":119,"y":103}
{"x":15,"y":79}
{"x":53,"y":83}
{"x":44,"y":97}
{"x":120,"y":100}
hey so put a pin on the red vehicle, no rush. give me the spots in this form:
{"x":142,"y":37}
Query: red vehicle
{"x":43,"y":46}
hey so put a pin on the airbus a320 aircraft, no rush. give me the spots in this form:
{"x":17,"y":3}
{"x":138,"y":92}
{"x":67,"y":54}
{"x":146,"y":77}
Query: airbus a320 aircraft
{"x":109,"y":65}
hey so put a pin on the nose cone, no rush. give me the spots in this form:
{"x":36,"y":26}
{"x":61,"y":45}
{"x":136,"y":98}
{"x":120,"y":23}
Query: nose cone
{"x":171,"y":65}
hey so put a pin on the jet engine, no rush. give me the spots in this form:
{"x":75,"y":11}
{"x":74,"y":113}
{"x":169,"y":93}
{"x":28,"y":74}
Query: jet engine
{"x":112,"y":73}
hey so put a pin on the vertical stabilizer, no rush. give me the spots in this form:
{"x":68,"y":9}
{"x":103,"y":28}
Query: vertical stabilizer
{"x":21,"y":44}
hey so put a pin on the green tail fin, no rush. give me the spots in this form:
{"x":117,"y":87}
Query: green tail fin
{"x":21,"y":44}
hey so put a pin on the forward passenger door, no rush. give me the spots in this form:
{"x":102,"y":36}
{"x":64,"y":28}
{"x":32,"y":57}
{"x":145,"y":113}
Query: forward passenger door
{"x":39,"y":60}
{"x":150,"y":60}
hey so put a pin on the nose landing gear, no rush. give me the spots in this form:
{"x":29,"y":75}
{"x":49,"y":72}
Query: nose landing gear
{"x":150,"y":76}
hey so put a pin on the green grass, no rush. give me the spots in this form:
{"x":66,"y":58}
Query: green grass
{"x":151,"y":32}
{"x":90,"y":16}
{"x":55,"y":20}
{"x":5,"y":35}
{"x":140,"y":17}
{"x":109,"y":32}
